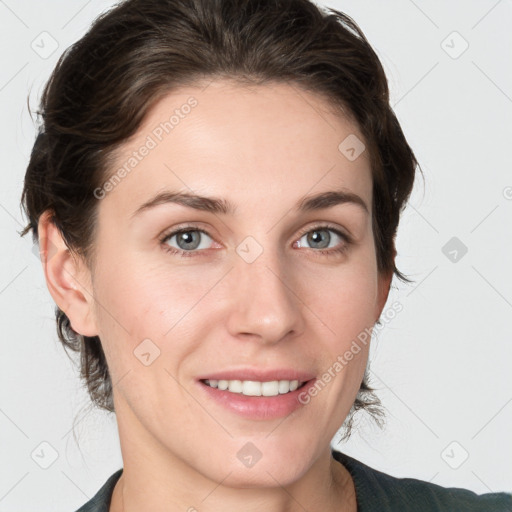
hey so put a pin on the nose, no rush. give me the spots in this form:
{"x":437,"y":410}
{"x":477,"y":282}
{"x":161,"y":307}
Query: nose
{"x":265,"y":305}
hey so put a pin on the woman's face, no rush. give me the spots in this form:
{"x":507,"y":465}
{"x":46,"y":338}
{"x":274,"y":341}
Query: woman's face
{"x":256,"y":288}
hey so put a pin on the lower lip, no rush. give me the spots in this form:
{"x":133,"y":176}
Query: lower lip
{"x":257,"y":407}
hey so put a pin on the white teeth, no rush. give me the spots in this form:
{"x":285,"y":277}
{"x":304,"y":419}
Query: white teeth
{"x":251,"y":388}
{"x":284,"y":386}
{"x":255,"y":388}
{"x":270,"y":388}
{"x":235,"y":386}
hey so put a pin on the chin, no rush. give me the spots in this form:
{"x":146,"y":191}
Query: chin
{"x":261,"y":476}
{"x":261,"y":463}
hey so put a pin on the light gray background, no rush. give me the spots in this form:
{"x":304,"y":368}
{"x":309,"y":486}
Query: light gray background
{"x":442,"y":366}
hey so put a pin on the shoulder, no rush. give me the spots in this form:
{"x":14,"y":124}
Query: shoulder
{"x":100,"y":502}
{"x":376,"y":490}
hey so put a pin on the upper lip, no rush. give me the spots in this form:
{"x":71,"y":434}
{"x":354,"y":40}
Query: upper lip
{"x":259,"y":374}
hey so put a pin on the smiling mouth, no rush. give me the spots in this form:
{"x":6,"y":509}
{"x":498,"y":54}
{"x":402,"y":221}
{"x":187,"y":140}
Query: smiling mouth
{"x":255,"y":388}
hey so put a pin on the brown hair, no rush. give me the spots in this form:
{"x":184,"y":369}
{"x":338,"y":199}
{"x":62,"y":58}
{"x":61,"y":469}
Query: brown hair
{"x":104,"y":85}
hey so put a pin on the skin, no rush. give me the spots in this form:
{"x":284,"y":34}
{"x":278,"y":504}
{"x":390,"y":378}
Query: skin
{"x":263,"y":148}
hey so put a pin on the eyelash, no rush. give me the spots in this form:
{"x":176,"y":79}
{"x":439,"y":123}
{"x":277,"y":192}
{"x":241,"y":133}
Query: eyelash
{"x":347,"y":241}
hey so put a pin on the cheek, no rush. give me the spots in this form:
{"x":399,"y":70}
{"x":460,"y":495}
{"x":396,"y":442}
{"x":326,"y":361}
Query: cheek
{"x":144,"y":310}
{"x":344,"y":298}
{"x":347,"y":309}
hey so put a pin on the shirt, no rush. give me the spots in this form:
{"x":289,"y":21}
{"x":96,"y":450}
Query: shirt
{"x":376,"y":492}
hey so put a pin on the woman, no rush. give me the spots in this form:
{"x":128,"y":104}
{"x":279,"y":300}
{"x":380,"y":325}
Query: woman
{"x":216,"y":188}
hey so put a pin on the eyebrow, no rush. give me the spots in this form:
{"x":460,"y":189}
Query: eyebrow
{"x":217,"y":205}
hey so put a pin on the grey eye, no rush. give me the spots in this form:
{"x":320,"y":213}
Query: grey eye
{"x":189,"y":240}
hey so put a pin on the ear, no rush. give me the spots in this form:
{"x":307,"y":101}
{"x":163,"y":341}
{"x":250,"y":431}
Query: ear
{"x":384,"y":284}
{"x":67,"y":277}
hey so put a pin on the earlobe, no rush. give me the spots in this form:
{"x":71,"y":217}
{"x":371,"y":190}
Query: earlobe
{"x":67,"y":279}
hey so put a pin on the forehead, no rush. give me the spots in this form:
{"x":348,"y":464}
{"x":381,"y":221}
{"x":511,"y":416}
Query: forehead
{"x":263,"y":143}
